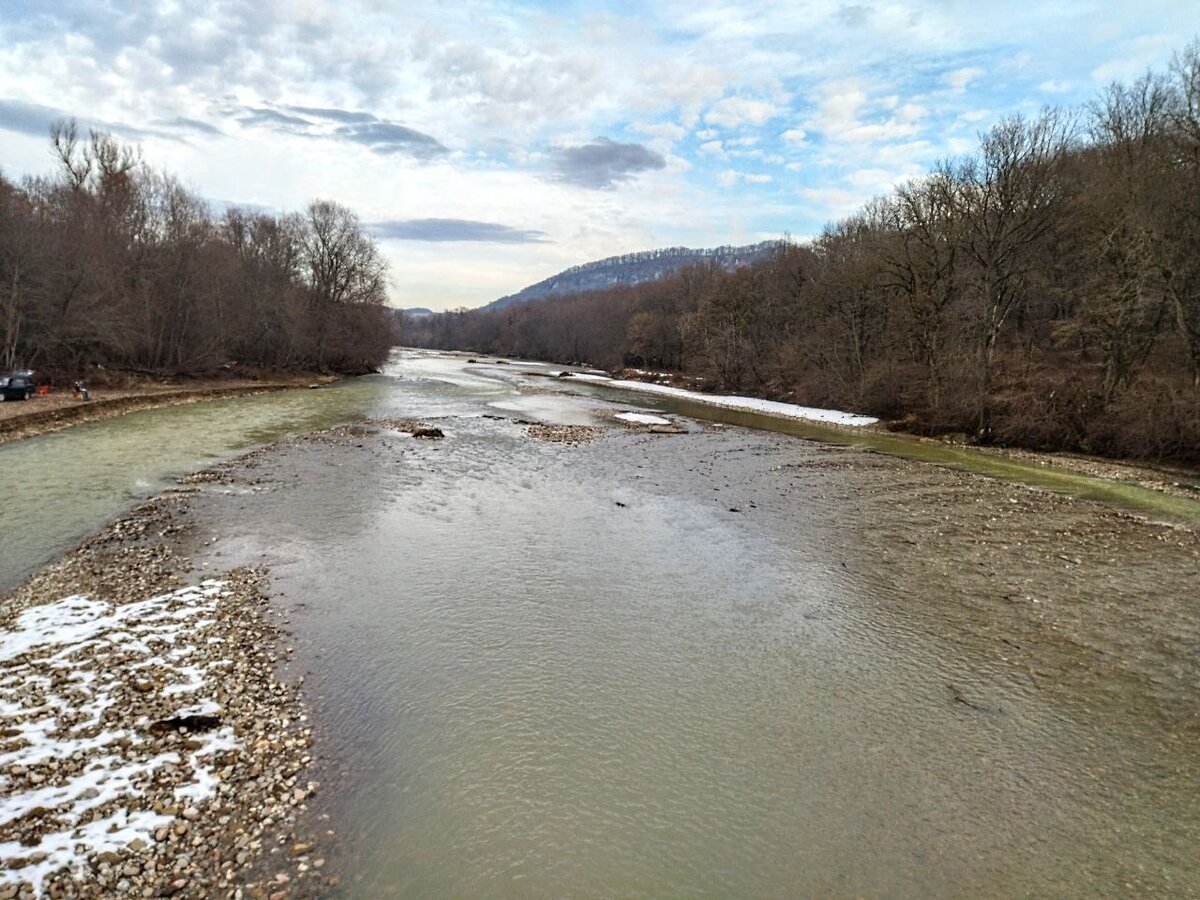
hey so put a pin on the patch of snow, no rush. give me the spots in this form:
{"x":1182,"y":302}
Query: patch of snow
{"x":107,"y":834}
{"x":195,"y":681}
{"x":205,"y":782}
{"x":752,"y":404}
{"x":59,"y":685}
{"x":642,"y":418}
{"x":203,"y":708}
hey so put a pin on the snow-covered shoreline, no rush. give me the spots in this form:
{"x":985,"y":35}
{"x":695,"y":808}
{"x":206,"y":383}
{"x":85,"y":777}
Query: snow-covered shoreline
{"x":66,"y":665}
{"x":147,"y":747}
{"x":750,"y":404}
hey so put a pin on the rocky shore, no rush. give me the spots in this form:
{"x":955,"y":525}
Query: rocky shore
{"x":148,"y":747}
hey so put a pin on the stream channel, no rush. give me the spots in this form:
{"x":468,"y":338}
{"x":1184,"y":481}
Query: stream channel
{"x":728,"y":662}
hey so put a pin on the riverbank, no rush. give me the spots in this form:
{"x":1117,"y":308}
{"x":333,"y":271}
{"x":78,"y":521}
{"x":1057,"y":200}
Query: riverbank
{"x":1174,"y":481}
{"x":61,"y":409}
{"x":148,"y":746}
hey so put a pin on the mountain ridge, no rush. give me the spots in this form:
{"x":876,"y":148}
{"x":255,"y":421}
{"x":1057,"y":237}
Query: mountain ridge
{"x":634,"y":268}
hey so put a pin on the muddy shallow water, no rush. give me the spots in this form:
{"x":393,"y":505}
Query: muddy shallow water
{"x":721,"y":663}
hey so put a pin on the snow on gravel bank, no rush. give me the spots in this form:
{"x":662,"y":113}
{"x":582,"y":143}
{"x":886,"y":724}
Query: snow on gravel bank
{"x":73,"y":774}
{"x":641,"y":418}
{"x":752,"y":404}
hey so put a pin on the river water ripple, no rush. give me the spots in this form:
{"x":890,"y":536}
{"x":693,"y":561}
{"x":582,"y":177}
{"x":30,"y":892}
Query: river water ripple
{"x":715,"y":664}
{"x":724,"y":663}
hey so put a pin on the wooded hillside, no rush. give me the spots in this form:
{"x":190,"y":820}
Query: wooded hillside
{"x":1042,"y":291}
{"x":635,"y":268}
{"x":108,"y":262}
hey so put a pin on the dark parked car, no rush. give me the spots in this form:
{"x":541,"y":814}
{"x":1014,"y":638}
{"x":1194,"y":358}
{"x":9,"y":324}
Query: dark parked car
{"x":17,"y":386}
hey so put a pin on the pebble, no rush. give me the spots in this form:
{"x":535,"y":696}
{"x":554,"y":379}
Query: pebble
{"x":194,"y":855}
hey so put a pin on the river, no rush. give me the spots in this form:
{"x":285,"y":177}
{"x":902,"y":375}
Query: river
{"x":728,"y":662}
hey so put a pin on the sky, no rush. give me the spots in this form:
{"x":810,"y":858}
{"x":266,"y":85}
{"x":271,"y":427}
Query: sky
{"x":490,"y":145}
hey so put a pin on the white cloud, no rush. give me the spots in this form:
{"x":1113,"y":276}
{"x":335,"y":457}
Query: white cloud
{"x":734,"y":112}
{"x":838,"y":113}
{"x":834,"y":203}
{"x":679,"y":83}
{"x":905,"y":154}
{"x":960,"y":79}
{"x":665,"y":135}
{"x":797,"y":137}
{"x":848,"y":115}
{"x":1137,"y":55}
{"x":731,"y":177}
{"x":872,"y":179}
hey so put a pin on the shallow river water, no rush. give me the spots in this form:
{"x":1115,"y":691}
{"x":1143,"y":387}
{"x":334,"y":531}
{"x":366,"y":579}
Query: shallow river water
{"x":725,"y":663}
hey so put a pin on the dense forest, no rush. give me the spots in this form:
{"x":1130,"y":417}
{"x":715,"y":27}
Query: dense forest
{"x":110,"y":263}
{"x":1043,"y":291}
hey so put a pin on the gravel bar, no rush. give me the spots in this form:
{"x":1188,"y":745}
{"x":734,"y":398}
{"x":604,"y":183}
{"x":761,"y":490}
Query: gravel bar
{"x":148,"y":747}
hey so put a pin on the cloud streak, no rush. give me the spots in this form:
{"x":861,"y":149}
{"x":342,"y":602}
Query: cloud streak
{"x":442,"y":230}
{"x":604,"y":163}
{"x":34,"y":120}
{"x":365,"y":129}
{"x":27,"y":118}
{"x":390,"y":137}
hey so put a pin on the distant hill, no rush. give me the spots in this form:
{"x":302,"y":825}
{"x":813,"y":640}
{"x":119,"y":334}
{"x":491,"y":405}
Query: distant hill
{"x":417,"y":311}
{"x":634,"y":268}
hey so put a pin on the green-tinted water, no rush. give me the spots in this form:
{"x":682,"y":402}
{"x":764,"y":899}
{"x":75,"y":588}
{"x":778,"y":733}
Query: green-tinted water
{"x":56,"y":488}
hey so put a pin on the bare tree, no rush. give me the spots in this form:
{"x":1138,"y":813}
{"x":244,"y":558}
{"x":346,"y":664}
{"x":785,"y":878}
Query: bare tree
{"x":343,"y":266}
{"x":1007,"y":199}
{"x":921,"y":264}
{"x":20,"y":260}
{"x":1183,"y":204}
